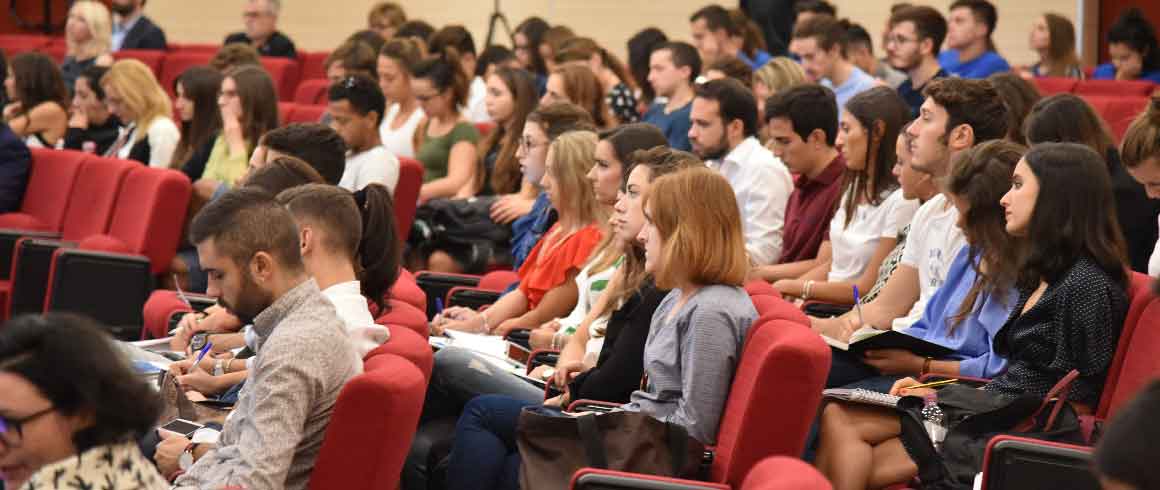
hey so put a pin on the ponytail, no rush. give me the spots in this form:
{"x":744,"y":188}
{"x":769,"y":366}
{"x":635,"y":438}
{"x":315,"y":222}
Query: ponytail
{"x":1142,"y":141}
{"x":378,"y":251}
{"x":443,"y":70}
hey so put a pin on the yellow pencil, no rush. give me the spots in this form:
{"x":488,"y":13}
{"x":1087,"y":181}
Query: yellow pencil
{"x":933,"y":384}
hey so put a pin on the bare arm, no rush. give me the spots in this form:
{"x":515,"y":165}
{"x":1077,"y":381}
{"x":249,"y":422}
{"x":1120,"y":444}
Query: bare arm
{"x":556,"y":303}
{"x":460,"y":170}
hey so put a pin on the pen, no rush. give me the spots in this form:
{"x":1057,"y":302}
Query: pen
{"x":858,"y":306}
{"x":932,"y":384}
{"x":201,"y":354}
{"x":180,"y":293}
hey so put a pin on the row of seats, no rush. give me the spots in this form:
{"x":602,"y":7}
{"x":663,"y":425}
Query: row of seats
{"x":1116,"y":101}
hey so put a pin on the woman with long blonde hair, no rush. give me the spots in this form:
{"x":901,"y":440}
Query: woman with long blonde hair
{"x":87,"y":35}
{"x":150,"y":136}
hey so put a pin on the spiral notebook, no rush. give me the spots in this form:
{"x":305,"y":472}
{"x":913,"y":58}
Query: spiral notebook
{"x":859,"y":395}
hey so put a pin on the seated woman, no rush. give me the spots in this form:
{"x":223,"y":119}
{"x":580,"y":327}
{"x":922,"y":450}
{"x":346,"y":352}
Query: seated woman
{"x":445,"y":140}
{"x":61,"y":427}
{"x":778,"y":74}
{"x":696,"y":248}
{"x":403,"y":112}
{"x":1133,"y":49}
{"x":1053,"y":39}
{"x":976,"y":299}
{"x":873,"y":208}
{"x":196,"y":104}
{"x":614,"y":77}
{"x":38,"y":108}
{"x":87,"y":36}
{"x":578,"y":85}
{"x":91,"y":127}
{"x":134,"y":96}
{"x":1072,"y":303}
{"x":547,"y":287}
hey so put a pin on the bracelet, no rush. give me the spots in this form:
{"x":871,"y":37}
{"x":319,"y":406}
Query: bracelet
{"x":806,"y":290}
{"x":229,"y":363}
{"x":486,"y":327}
{"x":925,"y":367}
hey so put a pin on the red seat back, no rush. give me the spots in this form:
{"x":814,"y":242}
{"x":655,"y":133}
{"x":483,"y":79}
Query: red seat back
{"x":1117,"y":111}
{"x":285,"y":73}
{"x":150,"y":57}
{"x":784,"y":473}
{"x":403,"y":315}
{"x":177,"y":62}
{"x":409,"y":345}
{"x":50,"y":181}
{"x":194,"y":47}
{"x":150,"y":214}
{"x":498,"y":280}
{"x":760,"y":287}
{"x":408,"y":291}
{"x":312,"y":64}
{"x":54,"y":51}
{"x":14,"y":44}
{"x":757,"y":421}
{"x":300,"y":113}
{"x":311,"y":91}
{"x":1138,"y":351}
{"x":407,"y":193}
{"x":484,"y":128}
{"x":1142,"y":88}
{"x":371,"y":428}
{"x":90,"y":206}
{"x":1051,"y":85}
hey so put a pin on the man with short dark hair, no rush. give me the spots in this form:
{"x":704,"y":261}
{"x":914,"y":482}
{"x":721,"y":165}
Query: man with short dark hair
{"x":249,"y":244}
{"x":457,"y":36}
{"x":807,"y":9}
{"x":672,"y":69}
{"x":313,"y":143}
{"x":970,"y":50}
{"x":803,"y":125}
{"x":724,"y":134}
{"x":350,"y":58}
{"x":717,"y":36}
{"x":912,"y":46}
{"x":261,"y":20}
{"x":356,"y":109}
{"x":132,"y":29}
{"x":820,"y":44}
{"x":860,"y":52}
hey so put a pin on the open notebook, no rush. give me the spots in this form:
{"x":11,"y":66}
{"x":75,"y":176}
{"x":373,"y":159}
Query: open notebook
{"x":870,"y":338}
{"x":859,"y":395}
{"x":492,"y":347}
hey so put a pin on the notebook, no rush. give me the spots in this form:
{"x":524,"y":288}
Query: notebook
{"x":870,"y":338}
{"x":859,"y":395}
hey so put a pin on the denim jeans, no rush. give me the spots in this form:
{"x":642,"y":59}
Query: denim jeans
{"x":485,"y":456}
{"x":460,"y":375}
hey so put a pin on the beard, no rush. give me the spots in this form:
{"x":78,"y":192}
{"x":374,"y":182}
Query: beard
{"x":251,"y":301}
{"x":715,"y":152}
{"x":121,"y":9}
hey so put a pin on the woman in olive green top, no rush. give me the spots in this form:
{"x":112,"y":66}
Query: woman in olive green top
{"x":445,"y":139}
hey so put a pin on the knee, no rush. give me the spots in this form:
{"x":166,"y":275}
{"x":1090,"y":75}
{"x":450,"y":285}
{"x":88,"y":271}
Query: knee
{"x":833,"y":419}
{"x":441,"y":261}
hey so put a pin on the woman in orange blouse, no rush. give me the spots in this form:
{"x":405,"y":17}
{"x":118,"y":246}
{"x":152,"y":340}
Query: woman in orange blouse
{"x":547,"y":287}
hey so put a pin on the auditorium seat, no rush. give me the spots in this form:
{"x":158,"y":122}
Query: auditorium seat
{"x":784,"y":473}
{"x":1117,"y":111}
{"x":1052,"y":85}
{"x":1016,"y":463}
{"x":484,"y":128}
{"x":760,"y":287}
{"x":300,"y":113}
{"x":409,"y":345}
{"x":285,"y":110}
{"x":312,"y":64}
{"x":311,"y":91}
{"x":194,"y":47}
{"x":407,"y":193}
{"x":371,"y":428}
{"x":1142,"y":88}
{"x":14,"y":44}
{"x":51,"y":177}
{"x":407,"y":291}
{"x":177,"y":62}
{"x":404,"y":315}
{"x":54,"y":51}
{"x":150,"y":57}
{"x":285,"y":73}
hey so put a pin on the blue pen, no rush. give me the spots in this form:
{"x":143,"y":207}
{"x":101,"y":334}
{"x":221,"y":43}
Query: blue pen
{"x":201,"y":354}
{"x":858,"y":305}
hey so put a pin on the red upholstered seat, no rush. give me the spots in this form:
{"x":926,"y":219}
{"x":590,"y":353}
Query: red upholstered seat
{"x":50,"y":180}
{"x":408,"y":291}
{"x":285,"y":73}
{"x":407,"y":193}
{"x":1118,"y":111}
{"x":311,"y":91}
{"x":300,"y":113}
{"x":150,"y":57}
{"x":160,"y":306}
{"x":150,"y":214}
{"x":176,"y":62}
{"x":1137,"y":357}
{"x":409,"y":345}
{"x":14,"y":44}
{"x":371,"y":428}
{"x":761,"y":287}
{"x":1051,"y":85}
{"x":404,"y":315}
{"x":1142,"y":88}
{"x":312,"y":64}
{"x":784,"y":473}
{"x":91,"y":204}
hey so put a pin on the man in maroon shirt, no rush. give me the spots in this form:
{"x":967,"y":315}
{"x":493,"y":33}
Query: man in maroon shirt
{"x":803,"y":125}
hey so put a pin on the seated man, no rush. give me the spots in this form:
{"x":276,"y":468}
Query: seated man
{"x":970,"y":50}
{"x":356,"y":109}
{"x":673,"y":68}
{"x":249,"y":245}
{"x":261,"y":18}
{"x":15,"y":160}
{"x":132,"y":29}
{"x":315,"y":144}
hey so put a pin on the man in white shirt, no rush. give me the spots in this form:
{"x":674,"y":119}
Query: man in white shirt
{"x":820,"y":43}
{"x":356,"y":109}
{"x":723,"y":133}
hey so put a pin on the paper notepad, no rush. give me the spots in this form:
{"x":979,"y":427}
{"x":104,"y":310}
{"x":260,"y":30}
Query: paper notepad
{"x":859,"y":395}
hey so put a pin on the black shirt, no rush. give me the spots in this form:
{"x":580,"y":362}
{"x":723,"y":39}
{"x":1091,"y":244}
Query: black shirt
{"x":277,"y":45}
{"x":913,"y":95}
{"x":1136,"y":212}
{"x":621,"y":363}
{"x":103,"y":135}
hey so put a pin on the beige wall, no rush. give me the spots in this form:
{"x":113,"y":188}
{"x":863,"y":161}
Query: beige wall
{"x":321,"y":24}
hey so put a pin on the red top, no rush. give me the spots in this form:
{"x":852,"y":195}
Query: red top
{"x":539,"y":274}
{"x":811,"y":207}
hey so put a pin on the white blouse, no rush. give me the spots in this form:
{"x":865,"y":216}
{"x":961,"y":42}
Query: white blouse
{"x":400,"y":142}
{"x":853,"y":245}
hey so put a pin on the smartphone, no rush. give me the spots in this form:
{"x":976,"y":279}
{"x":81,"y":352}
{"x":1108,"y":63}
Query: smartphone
{"x":182,"y":427}
{"x":197,"y":341}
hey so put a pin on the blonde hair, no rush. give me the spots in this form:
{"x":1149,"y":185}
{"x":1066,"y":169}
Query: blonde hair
{"x":139,"y":91}
{"x":1142,"y":140}
{"x":573,"y":155}
{"x":780,"y":74}
{"x":702,"y":239}
{"x":100,"y":24}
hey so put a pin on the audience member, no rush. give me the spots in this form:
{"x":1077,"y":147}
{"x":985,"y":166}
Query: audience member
{"x":403,"y":109}
{"x":280,"y":174}
{"x":233,"y":56}
{"x":860,"y":52}
{"x":1053,"y":40}
{"x":547,"y":288}
{"x":970,"y":50}
{"x":493,"y":58}
{"x":349,"y":59}
{"x":445,"y":140}
{"x":578,"y":85}
{"x":251,"y":243}
{"x":693,"y":247}
{"x":716,"y":35}
{"x":803,"y":125}
{"x":511,"y":96}
{"x":729,"y":68}
{"x":134,"y":96}
{"x":1071,"y":303}
{"x":724,"y":134}
{"x":371,"y":39}
{"x":86,"y":36}
{"x":1124,"y":454}
{"x":1067,"y":118}
{"x":91,"y":127}
{"x":673,"y":67}
{"x":132,"y":29}
{"x":912,"y":46}
{"x":553,"y":40}
{"x":64,"y":429}
{"x":805,"y":10}
{"x":261,"y":21}
{"x":385,"y":18}
{"x":820,"y":43}
{"x":416,"y":29}
{"x":1019,"y":95}
{"x":201,"y":120}
{"x":315,"y":144}
{"x":753,"y":44}
{"x":872,"y":209}
{"x":457,"y":36}
{"x":613,"y":77}
{"x":248,"y":111}
{"x":1133,"y":49}
{"x":779,"y":74}
{"x":526,"y":45}
{"x":15,"y":162}
{"x":1142,"y":161}
{"x":356,"y":108}
{"x":38,"y":100}
{"x":640,"y":48}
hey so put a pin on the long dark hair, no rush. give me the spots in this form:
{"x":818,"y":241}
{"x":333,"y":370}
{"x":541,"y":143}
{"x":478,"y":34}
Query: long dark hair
{"x":37,"y":80}
{"x":506,"y":176}
{"x":1060,"y":45}
{"x":259,"y":102}
{"x":640,"y":48}
{"x":881,"y":112}
{"x":584,"y":89}
{"x":980,"y":176}
{"x":362,"y":225}
{"x":1071,"y":218}
{"x":75,"y":365}
{"x":534,"y":28}
{"x":1019,"y":95}
{"x":442,"y":70}
{"x":1066,"y":118}
{"x":200,"y":85}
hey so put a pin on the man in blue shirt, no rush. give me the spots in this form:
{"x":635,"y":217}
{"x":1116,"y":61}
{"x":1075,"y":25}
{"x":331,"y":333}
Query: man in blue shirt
{"x":717,"y":36}
{"x":971,"y":52}
{"x":914,"y":36}
{"x":820,"y":43}
{"x":672,"y":69}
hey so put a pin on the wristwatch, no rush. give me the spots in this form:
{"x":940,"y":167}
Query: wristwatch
{"x":186,"y":459}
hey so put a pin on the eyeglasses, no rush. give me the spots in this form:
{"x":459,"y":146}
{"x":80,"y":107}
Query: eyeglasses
{"x":899,"y":40}
{"x":527,"y":144}
{"x":11,"y":429}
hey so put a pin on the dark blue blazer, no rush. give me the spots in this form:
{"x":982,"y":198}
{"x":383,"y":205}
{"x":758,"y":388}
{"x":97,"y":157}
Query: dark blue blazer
{"x":15,"y":160}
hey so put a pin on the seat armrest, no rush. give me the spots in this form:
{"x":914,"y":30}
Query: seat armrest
{"x":1020,"y":462}
{"x":31,"y":267}
{"x":125,"y":284}
{"x":471,"y":297}
{"x":8,"y":239}
{"x":540,"y":357}
{"x":594,"y":479}
{"x":436,"y":284}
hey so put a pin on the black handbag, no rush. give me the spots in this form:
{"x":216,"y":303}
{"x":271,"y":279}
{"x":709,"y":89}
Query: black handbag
{"x":462,"y":227}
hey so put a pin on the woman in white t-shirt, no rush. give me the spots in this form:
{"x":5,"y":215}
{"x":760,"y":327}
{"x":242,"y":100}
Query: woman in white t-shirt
{"x":872,"y":208}
{"x":403,"y":112}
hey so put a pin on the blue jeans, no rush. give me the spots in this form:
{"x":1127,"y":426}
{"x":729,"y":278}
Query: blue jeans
{"x":485,"y":455}
{"x":459,"y":375}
